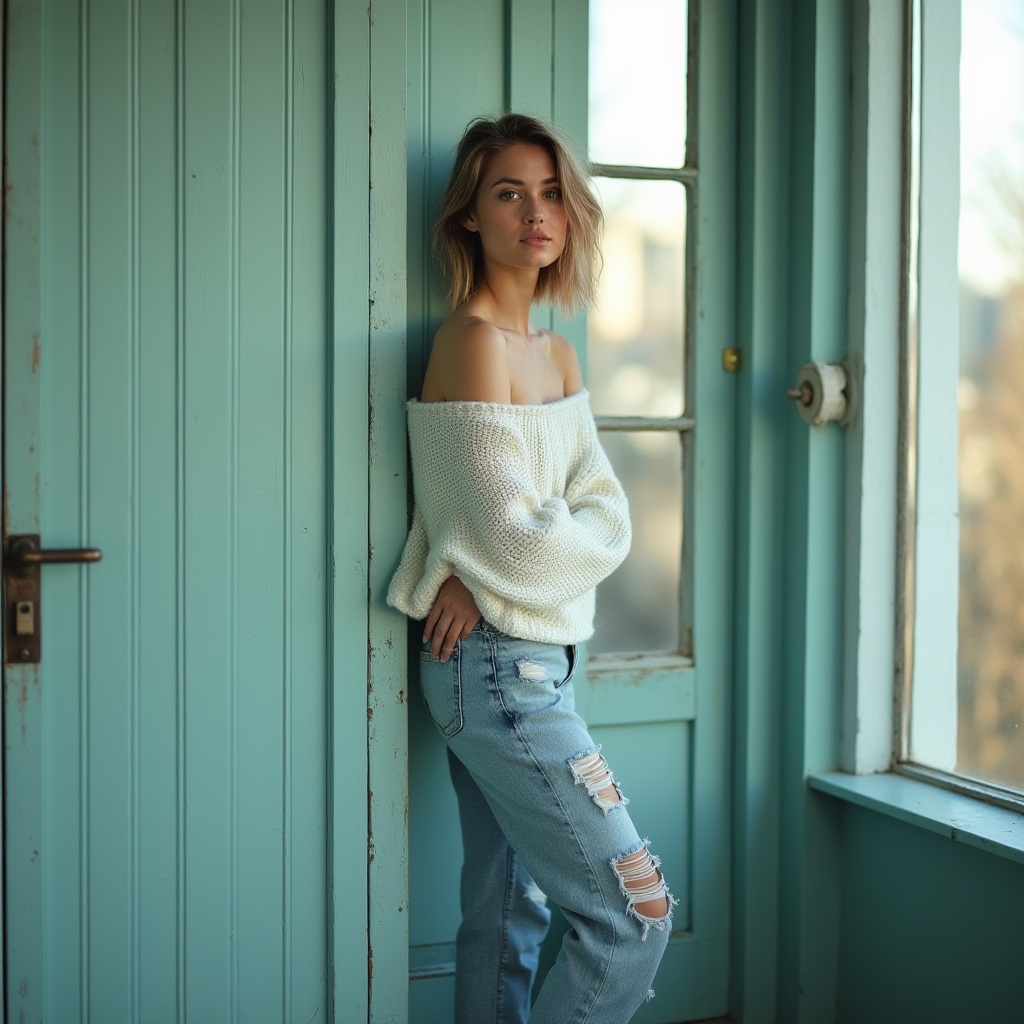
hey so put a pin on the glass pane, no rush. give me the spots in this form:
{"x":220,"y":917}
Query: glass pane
{"x":638,"y":605}
{"x":990,"y":732}
{"x":638,"y":82}
{"x":635,"y":334}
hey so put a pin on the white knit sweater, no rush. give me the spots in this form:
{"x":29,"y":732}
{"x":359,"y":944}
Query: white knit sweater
{"x":521,"y":503}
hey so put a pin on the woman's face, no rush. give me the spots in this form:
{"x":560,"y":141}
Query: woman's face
{"x":518,"y":210}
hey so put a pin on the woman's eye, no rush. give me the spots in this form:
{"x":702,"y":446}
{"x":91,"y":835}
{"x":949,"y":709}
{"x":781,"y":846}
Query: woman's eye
{"x":553,"y":193}
{"x":508,"y":195}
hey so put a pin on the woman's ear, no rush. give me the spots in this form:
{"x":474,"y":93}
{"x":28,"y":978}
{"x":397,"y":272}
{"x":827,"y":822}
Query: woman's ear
{"x":469,"y":221}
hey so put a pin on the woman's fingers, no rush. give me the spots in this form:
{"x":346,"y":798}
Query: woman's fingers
{"x":469,"y":626}
{"x":431,"y":621}
{"x":439,"y":635}
{"x":451,"y":619}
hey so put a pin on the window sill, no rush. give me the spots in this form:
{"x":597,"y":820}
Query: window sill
{"x":960,"y":818}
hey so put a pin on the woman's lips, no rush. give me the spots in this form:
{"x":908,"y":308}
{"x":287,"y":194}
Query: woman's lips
{"x":536,"y":240}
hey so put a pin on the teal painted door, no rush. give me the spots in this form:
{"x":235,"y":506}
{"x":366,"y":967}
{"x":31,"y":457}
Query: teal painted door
{"x":664,"y":718}
{"x":168,"y":320}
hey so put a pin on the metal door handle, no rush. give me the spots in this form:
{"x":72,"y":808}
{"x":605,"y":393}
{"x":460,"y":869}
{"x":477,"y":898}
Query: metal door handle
{"x":25,"y":553}
{"x":24,"y":562}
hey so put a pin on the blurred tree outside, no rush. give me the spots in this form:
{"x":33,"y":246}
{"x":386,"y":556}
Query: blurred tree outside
{"x":991,"y":469}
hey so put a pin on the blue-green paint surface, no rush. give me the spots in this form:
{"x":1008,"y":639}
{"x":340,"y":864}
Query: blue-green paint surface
{"x":167,"y":346}
{"x":930,"y":929}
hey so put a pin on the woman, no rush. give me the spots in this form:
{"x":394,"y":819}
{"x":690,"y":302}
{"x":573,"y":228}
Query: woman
{"x":517,"y":517}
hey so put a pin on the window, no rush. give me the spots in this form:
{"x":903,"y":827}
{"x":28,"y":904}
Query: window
{"x":963,"y":493}
{"x":638,"y":337}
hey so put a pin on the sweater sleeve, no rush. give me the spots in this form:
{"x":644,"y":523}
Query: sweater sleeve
{"x":501,"y":533}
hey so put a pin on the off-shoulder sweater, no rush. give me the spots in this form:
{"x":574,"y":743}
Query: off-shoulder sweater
{"x":521,"y":503}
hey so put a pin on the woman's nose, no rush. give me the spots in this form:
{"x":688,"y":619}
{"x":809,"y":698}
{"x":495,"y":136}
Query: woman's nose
{"x":534,"y":214}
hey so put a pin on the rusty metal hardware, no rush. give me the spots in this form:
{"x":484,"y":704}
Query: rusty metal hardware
{"x":803,"y":394}
{"x":731,"y":359}
{"x":23,"y":553}
{"x":23,"y":584}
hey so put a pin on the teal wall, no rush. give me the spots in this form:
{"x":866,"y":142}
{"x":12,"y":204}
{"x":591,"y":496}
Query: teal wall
{"x":930,"y":930}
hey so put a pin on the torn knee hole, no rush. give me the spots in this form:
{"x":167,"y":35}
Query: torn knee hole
{"x":592,"y":771}
{"x":643,"y":885}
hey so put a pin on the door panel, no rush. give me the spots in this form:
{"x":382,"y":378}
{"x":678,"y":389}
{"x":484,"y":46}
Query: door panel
{"x":166,"y":789}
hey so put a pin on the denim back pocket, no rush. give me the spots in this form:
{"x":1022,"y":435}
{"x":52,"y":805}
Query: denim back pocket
{"x":441,"y":686}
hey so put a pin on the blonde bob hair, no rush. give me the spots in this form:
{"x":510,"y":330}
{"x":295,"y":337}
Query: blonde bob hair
{"x":571,"y":281}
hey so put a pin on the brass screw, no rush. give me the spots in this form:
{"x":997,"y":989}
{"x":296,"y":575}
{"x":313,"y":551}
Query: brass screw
{"x":730,"y":360}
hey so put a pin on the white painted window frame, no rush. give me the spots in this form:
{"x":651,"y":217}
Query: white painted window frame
{"x":900,"y":705}
{"x":878,"y":732}
{"x":874,"y":327}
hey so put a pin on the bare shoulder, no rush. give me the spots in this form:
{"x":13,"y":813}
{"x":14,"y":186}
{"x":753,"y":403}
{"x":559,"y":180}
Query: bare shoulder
{"x":468,"y":363}
{"x":563,"y":355}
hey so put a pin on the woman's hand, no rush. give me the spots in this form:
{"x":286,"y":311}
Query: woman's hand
{"x":451,"y":619}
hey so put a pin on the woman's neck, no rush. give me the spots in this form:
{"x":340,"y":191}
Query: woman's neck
{"x":505,"y":296}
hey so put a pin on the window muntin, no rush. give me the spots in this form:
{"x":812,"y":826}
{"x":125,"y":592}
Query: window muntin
{"x":965,"y":714}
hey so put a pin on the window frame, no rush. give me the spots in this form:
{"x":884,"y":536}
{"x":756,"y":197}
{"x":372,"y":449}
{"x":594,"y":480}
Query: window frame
{"x":931,"y":722}
{"x":880,"y":669}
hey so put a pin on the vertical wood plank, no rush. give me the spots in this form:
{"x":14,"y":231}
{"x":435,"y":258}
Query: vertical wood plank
{"x":348,"y":510}
{"x":105,"y":466}
{"x":263,"y":721}
{"x":307,"y":765}
{"x":570,"y":40}
{"x":388,"y":680}
{"x":809,"y":883}
{"x":205,"y":433}
{"x":529,"y":67}
{"x":23,"y":821}
{"x":711,"y":500}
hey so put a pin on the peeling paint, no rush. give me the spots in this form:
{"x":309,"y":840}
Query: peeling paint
{"x":36,"y":352}
{"x":20,"y":678}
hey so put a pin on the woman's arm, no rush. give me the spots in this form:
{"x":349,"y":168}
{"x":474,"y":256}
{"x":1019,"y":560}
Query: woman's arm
{"x":475,"y":472}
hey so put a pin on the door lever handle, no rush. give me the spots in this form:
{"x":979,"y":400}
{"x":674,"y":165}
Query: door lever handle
{"x":25,"y":553}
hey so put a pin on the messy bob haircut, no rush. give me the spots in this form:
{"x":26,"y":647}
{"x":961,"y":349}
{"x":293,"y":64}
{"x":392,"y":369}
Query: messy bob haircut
{"x":570,"y":283}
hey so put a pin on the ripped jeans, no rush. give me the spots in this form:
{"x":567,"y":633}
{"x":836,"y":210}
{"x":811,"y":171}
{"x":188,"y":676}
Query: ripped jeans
{"x":541,"y":814}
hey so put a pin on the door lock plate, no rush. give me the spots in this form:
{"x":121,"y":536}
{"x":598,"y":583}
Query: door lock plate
{"x":21,"y":626}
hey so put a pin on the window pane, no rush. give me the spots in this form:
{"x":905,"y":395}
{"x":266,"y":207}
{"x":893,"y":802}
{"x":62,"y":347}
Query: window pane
{"x":990,"y":733}
{"x":635,"y":335}
{"x":638,"y":82}
{"x":638,"y":605}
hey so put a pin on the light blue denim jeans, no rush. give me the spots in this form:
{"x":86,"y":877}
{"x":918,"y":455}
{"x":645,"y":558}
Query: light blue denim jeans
{"x":541,"y":814}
